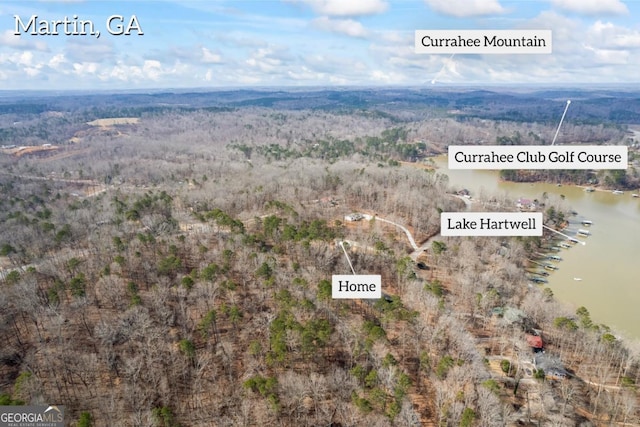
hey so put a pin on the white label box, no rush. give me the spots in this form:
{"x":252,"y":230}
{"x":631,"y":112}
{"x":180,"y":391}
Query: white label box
{"x":491,"y":224}
{"x":484,"y":41}
{"x":358,"y":286}
{"x":496,"y":157}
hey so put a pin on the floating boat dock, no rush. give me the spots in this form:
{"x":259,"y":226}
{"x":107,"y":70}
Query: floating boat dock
{"x":547,"y":266}
{"x":538,"y":280}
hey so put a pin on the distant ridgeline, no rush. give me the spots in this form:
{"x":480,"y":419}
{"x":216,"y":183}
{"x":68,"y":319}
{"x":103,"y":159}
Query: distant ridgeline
{"x":613,"y":106}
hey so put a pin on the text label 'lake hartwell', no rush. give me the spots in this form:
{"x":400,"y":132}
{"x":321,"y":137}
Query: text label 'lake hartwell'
{"x":491,"y":223}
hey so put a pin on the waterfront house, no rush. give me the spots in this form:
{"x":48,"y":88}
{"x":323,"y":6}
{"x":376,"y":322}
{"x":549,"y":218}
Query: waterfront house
{"x":525,"y":204}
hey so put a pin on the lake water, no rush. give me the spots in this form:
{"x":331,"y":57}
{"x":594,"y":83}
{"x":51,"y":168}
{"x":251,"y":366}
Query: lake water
{"x":609,"y":264}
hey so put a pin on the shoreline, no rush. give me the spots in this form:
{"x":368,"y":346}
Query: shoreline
{"x":433,"y":166}
{"x":567,"y":291}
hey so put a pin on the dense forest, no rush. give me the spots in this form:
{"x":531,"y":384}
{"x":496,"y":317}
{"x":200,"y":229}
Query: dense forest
{"x":175,"y":270}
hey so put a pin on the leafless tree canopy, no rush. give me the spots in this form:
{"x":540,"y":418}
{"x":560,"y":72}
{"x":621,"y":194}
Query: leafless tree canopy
{"x":175,"y":270}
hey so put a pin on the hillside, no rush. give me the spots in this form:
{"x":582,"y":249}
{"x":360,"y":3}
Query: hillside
{"x":176,"y":271}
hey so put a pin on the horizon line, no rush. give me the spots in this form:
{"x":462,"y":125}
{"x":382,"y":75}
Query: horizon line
{"x":565,"y":86}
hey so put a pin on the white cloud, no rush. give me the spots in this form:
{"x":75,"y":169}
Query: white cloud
{"x":606,"y":34}
{"x":568,"y":33}
{"x":343,"y":26}
{"x":56,"y":61}
{"x":602,"y":49}
{"x":402,"y":57}
{"x":592,"y":7}
{"x":386,"y":77}
{"x":608,"y":56}
{"x":464,"y":8}
{"x":599,"y":26}
{"x":209,"y":57}
{"x":449,"y":69}
{"x":25,"y":58}
{"x":304,"y":73}
{"x":627,"y":40}
{"x":345,"y":7}
{"x":32,"y":71}
{"x":152,"y":69}
{"x":582,"y":52}
{"x":269,"y":60}
{"x":262,"y":61}
{"x":149,"y":70}
{"x":83,"y":68}
{"x":7,"y":38}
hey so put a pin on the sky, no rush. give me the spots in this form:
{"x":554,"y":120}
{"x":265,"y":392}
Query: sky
{"x":297,"y":43}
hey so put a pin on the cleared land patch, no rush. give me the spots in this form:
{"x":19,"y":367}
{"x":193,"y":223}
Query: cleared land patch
{"x":114,"y":121}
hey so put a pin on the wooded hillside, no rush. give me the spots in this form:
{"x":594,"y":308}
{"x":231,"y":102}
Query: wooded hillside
{"x":175,"y":271}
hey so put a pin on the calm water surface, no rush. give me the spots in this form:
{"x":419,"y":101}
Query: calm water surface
{"x":609,"y":264}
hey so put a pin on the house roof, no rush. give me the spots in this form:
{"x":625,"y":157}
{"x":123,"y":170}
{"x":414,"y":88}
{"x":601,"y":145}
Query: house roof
{"x":534,"y":341}
{"x":548,"y":362}
{"x":513,"y":315}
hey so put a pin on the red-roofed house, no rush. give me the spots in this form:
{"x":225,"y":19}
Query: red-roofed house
{"x":534,"y":341}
